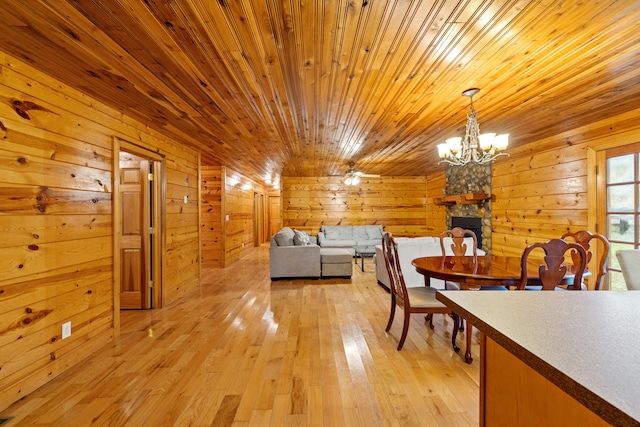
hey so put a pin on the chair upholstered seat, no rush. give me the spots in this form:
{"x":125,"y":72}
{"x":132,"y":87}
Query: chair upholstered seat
{"x":424,"y":297}
{"x":539,"y":288}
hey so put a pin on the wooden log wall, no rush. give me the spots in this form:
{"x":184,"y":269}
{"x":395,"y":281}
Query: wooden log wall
{"x":436,"y":214}
{"x":182,"y":270}
{"x":56,"y":253}
{"x":238,"y":214}
{"x":212,"y":227}
{"x":397,"y":203}
{"x":539,"y":196}
{"x":542,"y":191}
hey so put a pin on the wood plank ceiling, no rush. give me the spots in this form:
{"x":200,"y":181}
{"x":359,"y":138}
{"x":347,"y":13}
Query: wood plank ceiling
{"x":297,"y":88}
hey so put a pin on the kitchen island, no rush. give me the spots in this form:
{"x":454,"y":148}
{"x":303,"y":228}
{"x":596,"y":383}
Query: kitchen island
{"x":555,"y":358}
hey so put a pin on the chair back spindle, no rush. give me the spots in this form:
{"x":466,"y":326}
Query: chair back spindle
{"x":392,"y":262}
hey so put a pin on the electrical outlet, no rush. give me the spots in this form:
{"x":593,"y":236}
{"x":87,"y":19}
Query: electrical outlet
{"x":243,"y":244}
{"x":66,"y":330}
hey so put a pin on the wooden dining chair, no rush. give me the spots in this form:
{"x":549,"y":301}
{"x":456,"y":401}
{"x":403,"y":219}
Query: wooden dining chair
{"x":586,"y":239}
{"x":554,"y":269}
{"x":411,"y":300}
{"x":457,"y":247}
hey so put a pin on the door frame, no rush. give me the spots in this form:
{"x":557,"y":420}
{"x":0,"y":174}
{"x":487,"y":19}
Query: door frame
{"x":159,"y":219}
{"x":258,"y":219}
{"x":596,"y":179}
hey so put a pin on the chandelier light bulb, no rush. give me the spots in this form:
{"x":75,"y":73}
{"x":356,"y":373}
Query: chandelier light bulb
{"x":443,"y":149}
{"x":454,"y":144}
{"x":502,"y":141}
{"x":487,"y":141}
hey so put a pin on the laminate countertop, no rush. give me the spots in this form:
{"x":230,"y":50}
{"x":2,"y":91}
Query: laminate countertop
{"x":587,"y":343}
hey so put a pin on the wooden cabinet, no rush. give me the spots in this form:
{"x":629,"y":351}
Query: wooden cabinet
{"x":514,"y":394}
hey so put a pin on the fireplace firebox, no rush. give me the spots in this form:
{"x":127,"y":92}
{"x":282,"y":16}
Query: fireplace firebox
{"x":469,"y":223}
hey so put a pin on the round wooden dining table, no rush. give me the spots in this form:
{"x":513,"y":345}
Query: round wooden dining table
{"x":472,"y":273}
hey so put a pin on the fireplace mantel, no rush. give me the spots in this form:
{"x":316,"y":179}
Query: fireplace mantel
{"x":463,"y":199}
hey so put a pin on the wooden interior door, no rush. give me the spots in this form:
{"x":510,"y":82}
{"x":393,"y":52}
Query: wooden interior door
{"x":274,"y":215}
{"x":135,"y":233}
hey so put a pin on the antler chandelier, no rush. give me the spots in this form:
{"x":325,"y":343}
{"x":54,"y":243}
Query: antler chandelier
{"x":476,"y":148}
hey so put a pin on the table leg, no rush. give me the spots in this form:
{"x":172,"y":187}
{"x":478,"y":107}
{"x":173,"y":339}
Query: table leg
{"x":362,"y":263}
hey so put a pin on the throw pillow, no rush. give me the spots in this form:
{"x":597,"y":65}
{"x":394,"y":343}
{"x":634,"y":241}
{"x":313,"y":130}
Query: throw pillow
{"x":301,"y":238}
{"x":284,"y":237}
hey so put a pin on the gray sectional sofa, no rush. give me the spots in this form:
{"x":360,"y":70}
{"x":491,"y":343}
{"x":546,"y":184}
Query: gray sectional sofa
{"x":349,"y":236}
{"x":295,"y":254}
{"x":288,"y":259}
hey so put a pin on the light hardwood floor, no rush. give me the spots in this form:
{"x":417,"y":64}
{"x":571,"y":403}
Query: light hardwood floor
{"x":242,"y":351}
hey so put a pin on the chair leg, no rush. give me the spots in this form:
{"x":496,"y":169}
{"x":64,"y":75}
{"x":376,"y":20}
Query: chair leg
{"x":460,"y":321}
{"x":454,"y":335}
{"x":405,"y":328}
{"x":429,"y":318}
{"x":392,"y":313}
{"x":467,"y":353}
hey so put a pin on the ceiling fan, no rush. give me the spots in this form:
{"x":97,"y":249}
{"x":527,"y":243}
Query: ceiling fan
{"x":352,"y":177}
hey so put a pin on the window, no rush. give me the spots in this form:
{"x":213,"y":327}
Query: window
{"x":622,"y":210}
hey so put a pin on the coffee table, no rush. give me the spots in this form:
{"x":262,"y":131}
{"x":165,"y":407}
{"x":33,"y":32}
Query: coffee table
{"x":363,"y":252}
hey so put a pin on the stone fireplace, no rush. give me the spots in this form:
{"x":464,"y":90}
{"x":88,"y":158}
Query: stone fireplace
{"x":469,"y":179}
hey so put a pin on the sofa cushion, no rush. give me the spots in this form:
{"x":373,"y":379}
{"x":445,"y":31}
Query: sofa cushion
{"x":335,"y":256}
{"x":284,"y":237}
{"x":374,"y":232}
{"x":335,"y":232}
{"x":338,"y":232}
{"x":370,"y":244}
{"x":341,"y":243}
{"x":301,"y":238}
{"x":360,"y":233}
